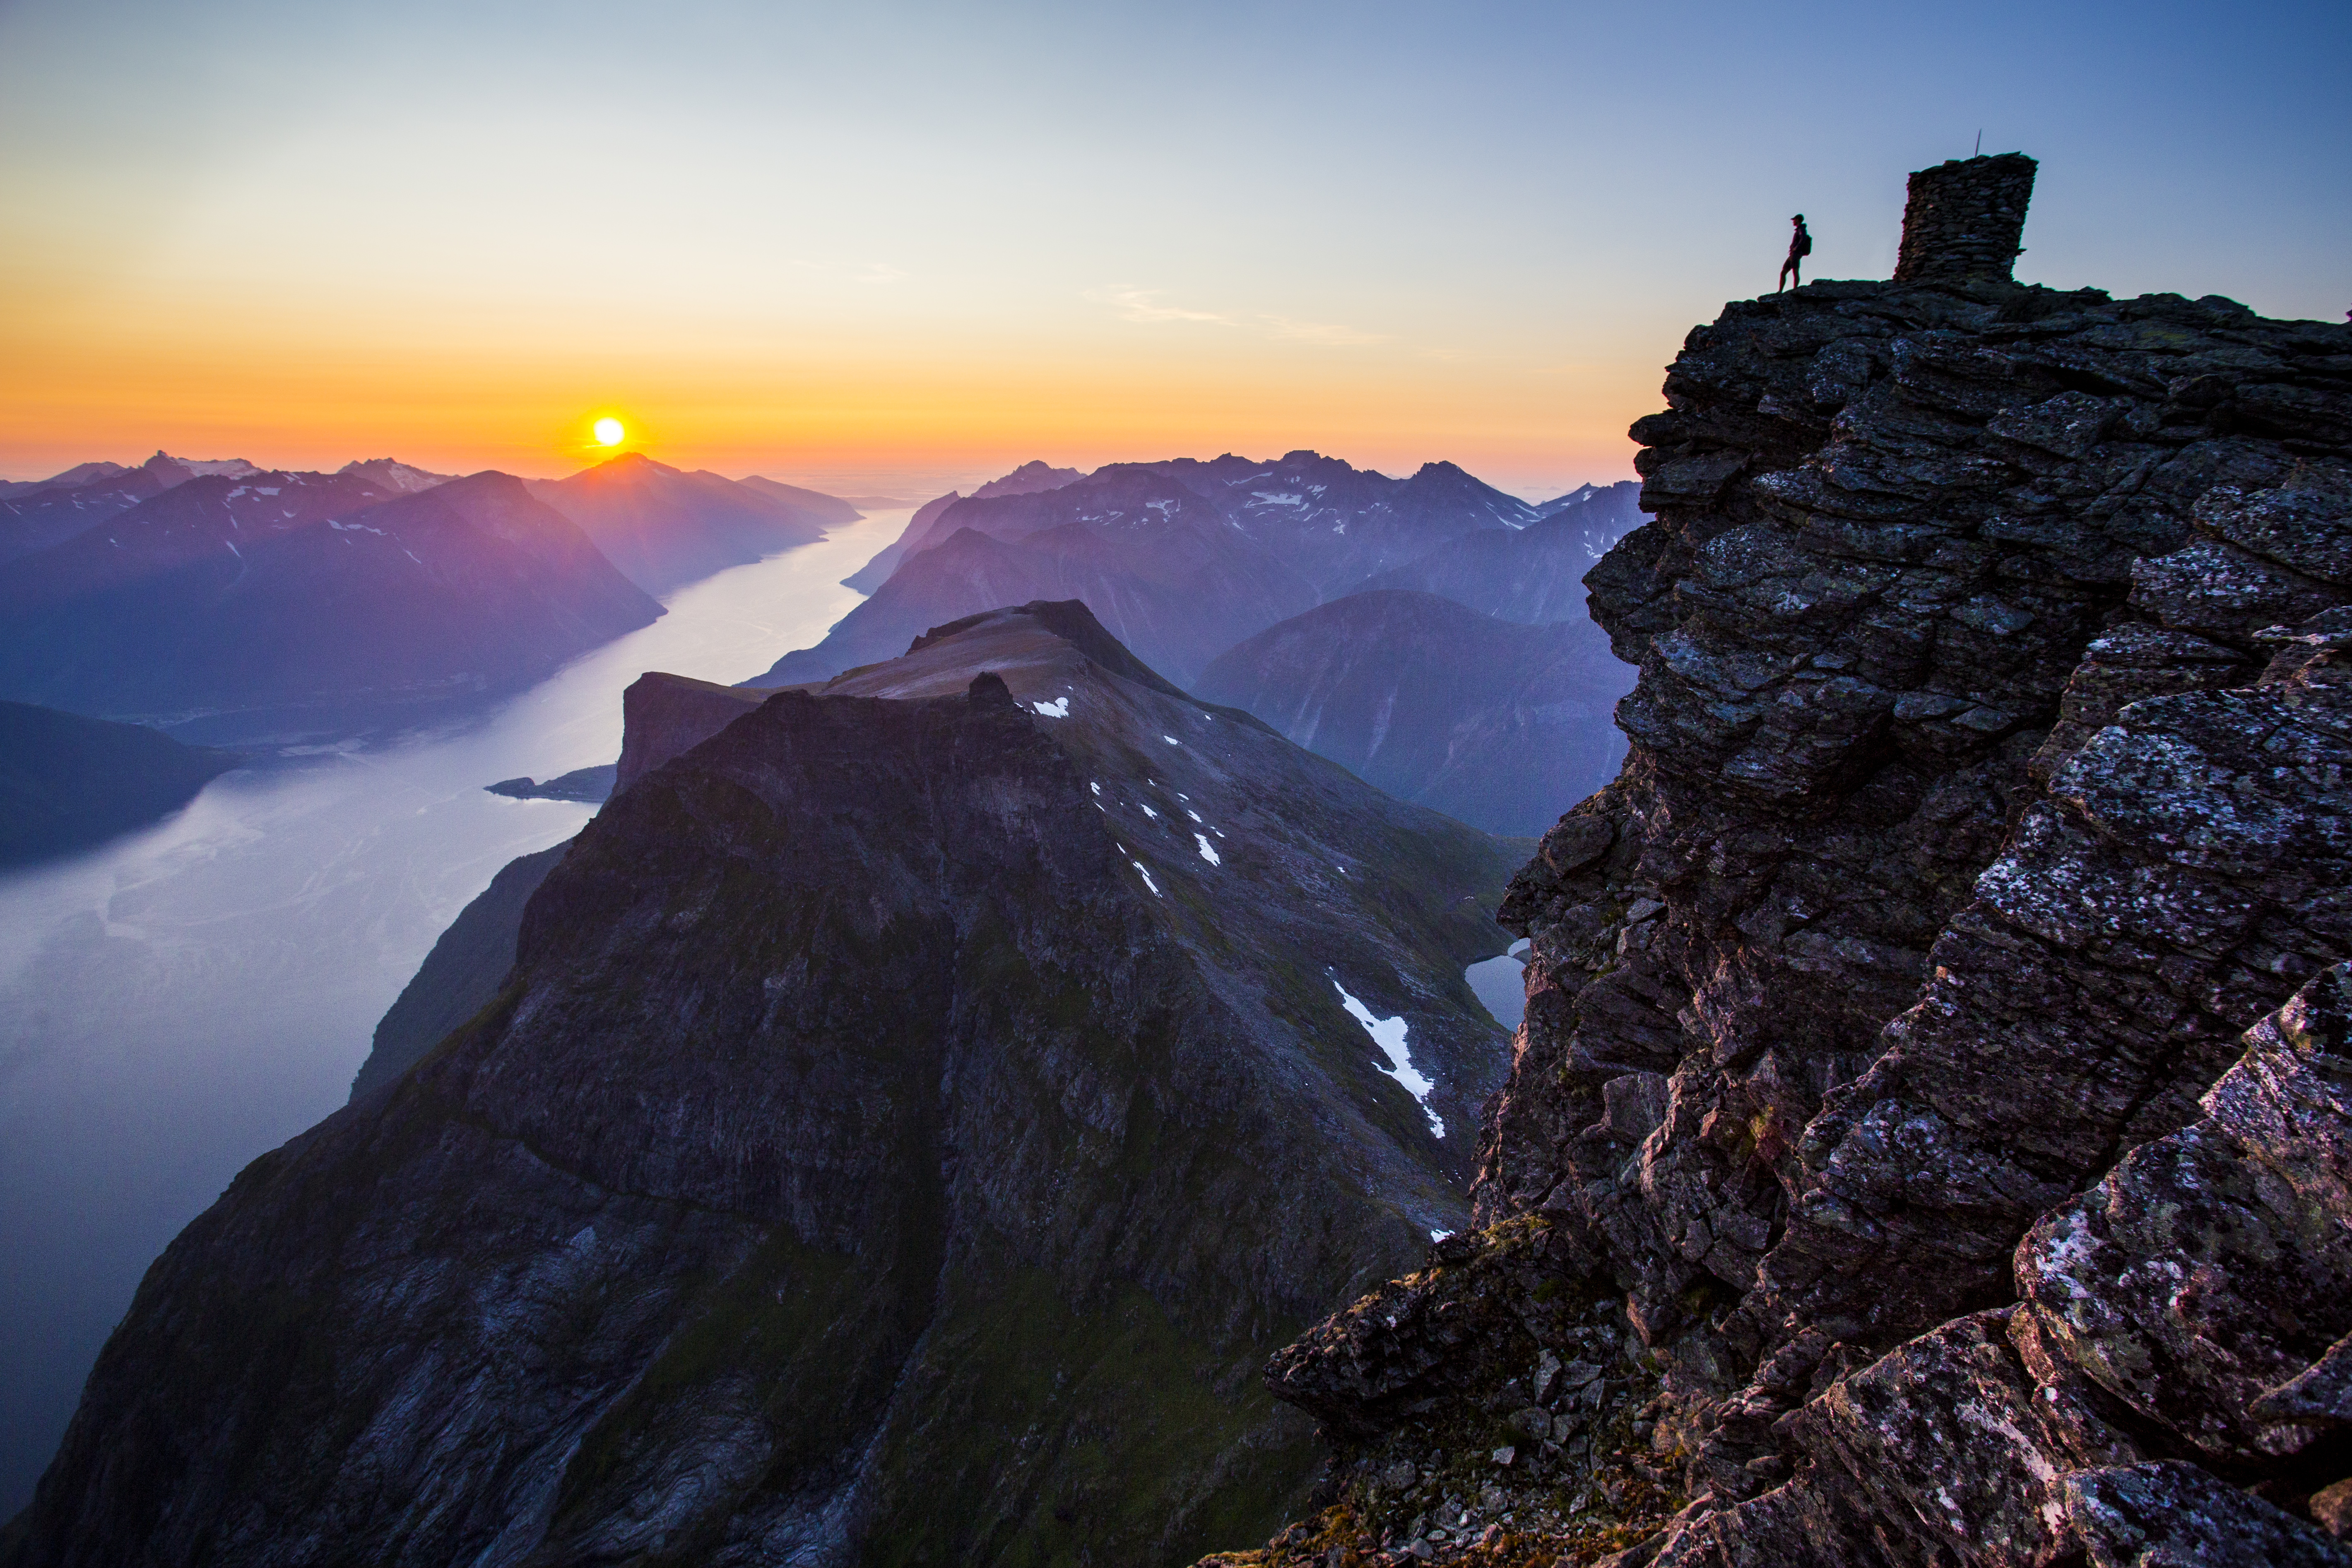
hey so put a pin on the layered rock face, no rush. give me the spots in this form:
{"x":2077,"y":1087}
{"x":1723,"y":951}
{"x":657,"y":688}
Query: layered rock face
{"x":915,"y":1109}
{"x":1886,"y":1096}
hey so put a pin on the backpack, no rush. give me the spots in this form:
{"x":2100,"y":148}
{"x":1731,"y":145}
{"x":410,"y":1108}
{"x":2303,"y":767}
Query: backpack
{"x":1805,"y":245}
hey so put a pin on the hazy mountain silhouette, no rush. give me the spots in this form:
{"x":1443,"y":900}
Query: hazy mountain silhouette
{"x":78,"y":475}
{"x":1533,"y":574}
{"x":1029,"y":477}
{"x":664,"y":527}
{"x":395,"y":475}
{"x":1493,"y":724}
{"x":67,"y":782}
{"x":291,"y":604}
{"x":1337,"y":524}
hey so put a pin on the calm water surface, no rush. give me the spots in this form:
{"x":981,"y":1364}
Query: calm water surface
{"x":181,"y":1001}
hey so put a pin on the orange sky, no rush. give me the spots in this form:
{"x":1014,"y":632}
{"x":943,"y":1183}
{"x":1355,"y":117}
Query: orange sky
{"x":121,"y":368}
{"x":895,"y":248}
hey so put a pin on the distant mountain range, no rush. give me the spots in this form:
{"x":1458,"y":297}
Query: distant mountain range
{"x":228,"y":602}
{"x":281,"y":603}
{"x":1191,"y":562}
{"x":37,"y":514}
{"x":1160,"y":566}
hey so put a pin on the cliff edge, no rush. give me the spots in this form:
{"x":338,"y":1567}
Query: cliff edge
{"x":1928,"y":1140}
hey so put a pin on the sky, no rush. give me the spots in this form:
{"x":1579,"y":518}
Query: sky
{"x":896,"y":246}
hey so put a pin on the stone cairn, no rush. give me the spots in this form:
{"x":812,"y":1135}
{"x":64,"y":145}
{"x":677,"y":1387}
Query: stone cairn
{"x":1963,"y":219}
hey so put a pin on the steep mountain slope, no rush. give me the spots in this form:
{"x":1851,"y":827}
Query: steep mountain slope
{"x":1328,"y":522}
{"x":913,"y":1111}
{"x":459,"y":977}
{"x":664,"y":527}
{"x":228,"y":618}
{"x":67,"y":782}
{"x":1534,"y":574}
{"x":1490,"y":723}
{"x":1152,"y":561}
{"x":1927,"y":1137}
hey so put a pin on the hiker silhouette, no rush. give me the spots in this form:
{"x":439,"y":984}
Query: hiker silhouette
{"x":1800,"y":245}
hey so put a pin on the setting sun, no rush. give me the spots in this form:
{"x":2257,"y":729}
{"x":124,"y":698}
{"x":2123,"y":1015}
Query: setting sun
{"x":609,"y":432}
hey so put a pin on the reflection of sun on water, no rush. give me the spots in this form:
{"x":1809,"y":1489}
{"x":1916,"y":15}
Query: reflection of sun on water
{"x":609,"y":432}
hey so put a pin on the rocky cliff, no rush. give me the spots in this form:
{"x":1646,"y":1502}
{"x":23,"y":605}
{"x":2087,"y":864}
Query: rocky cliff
{"x":1928,"y":1137}
{"x":914,"y":1112}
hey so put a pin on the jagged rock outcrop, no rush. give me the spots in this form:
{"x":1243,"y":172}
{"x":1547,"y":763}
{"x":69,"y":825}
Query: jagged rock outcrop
{"x":1987,"y":784}
{"x":915,"y":1110}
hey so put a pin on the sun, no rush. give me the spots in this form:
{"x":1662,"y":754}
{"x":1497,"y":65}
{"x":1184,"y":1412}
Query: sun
{"x":610,"y":432}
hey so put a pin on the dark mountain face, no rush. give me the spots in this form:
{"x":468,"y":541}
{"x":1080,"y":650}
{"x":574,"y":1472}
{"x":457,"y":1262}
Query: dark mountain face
{"x":67,"y":782}
{"x":664,"y":527}
{"x":1487,"y":722}
{"x":1153,"y":562}
{"x":254,"y":622}
{"x":1928,"y":1139}
{"x":914,"y":1112}
{"x":1534,"y":574}
{"x":459,"y":977}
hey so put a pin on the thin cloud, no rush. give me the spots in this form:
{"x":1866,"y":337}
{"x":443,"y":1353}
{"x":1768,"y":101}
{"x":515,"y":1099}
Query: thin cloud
{"x":1323,"y":333}
{"x":1133,"y":304}
{"x":1142,"y":305}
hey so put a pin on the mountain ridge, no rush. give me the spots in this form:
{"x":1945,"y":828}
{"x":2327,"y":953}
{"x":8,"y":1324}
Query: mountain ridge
{"x":996,"y":1005}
